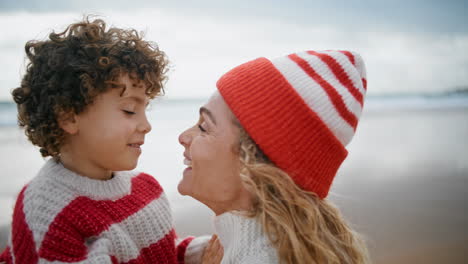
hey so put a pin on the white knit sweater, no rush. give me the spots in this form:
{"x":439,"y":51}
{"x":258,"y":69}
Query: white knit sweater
{"x":243,"y":240}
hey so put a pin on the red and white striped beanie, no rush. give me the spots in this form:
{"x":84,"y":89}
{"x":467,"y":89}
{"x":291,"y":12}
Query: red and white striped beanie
{"x":301,"y":109}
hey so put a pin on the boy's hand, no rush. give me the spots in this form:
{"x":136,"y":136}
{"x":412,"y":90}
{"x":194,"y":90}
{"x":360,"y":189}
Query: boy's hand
{"x":214,"y":252}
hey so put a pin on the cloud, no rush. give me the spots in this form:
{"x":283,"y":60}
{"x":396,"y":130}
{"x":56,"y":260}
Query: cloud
{"x":401,"y":15}
{"x":203,"y":47}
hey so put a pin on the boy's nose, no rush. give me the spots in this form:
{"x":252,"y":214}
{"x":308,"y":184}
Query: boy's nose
{"x":145,"y":125}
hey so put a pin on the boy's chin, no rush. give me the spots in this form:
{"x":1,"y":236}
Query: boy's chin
{"x":127,"y":167}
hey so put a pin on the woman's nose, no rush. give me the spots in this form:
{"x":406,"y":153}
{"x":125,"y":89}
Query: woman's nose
{"x":185,"y":138}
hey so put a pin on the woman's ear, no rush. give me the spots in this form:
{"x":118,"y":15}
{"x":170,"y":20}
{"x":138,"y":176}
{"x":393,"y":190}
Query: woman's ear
{"x":68,"y":122}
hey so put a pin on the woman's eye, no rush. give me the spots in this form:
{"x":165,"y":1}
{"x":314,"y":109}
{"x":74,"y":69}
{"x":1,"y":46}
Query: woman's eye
{"x":201,"y":128}
{"x":128,"y":112}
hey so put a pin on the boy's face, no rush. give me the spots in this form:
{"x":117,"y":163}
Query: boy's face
{"x":113,"y":128}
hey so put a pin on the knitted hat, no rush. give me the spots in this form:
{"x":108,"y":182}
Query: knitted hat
{"x":301,"y":109}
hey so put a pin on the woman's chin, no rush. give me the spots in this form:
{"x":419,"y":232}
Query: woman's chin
{"x":185,"y":185}
{"x":182,"y":188}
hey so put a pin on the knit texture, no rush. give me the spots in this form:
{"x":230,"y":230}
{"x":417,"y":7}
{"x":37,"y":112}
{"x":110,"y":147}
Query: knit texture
{"x":62,"y":217}
{"x":243,"y":240}
{"x":301,"y":109}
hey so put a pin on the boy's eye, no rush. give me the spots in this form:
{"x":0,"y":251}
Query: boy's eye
{"x":129,"y":112}
{"x":201,"y":128}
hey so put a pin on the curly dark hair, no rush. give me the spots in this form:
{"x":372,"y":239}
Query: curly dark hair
{"x":69,"y":69}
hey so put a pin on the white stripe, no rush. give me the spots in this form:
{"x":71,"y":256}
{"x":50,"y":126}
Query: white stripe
{"x":43,"y":200}
{"x":360,"y":64}
{"x":349,"y":68}
{"x":315,"y":97}
{"x":140,"y":230}
{"x":97,"y":259}
{"x":321,"y":68}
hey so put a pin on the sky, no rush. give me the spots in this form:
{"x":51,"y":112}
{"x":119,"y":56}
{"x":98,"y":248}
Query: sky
{"x":410,"y":47}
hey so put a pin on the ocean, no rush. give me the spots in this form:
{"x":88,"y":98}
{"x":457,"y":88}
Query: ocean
{"x":404,"y":184}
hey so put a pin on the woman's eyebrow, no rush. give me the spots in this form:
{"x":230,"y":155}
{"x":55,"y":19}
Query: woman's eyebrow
{"x":204,"y":110}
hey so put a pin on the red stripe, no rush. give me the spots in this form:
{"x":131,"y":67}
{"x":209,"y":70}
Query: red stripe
{"x":351,"y":59}
{"x":23,"y":246}
{"x":340,"y":74}
{"x":162,"y":251}
{"x":336,"y":99}
{"x":6,"y":256}
{"x":84,"y":218}
{"x":349,"y":55}
{"x":182,"y":248}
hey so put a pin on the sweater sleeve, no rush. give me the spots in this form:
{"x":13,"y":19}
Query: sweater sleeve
{"x":190,"y":250}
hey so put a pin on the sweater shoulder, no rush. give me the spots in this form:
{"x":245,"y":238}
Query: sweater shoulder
{"x":44,"y":195}
{"x":150,"y":179}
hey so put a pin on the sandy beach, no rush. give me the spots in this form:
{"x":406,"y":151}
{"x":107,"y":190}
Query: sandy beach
{"x":404,"y":185}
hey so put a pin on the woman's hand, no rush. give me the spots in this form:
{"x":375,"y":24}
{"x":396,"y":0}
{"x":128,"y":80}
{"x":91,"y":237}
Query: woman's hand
{"x":213,"y":252}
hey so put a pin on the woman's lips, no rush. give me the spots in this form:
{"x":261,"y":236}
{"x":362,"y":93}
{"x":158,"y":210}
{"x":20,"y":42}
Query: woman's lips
{"x":188,"y":162}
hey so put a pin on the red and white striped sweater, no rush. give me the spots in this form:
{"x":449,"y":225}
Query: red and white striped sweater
{"x":62,"y":217}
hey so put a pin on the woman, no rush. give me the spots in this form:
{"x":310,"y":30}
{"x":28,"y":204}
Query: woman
{"x":264,"y":153}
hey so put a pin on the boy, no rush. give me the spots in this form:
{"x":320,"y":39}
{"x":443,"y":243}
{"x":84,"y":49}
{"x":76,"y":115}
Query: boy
{"x":82,"y":101}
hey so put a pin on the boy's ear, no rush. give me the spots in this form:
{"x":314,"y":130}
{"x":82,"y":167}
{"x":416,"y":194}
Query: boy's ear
{"x":69,"y":123}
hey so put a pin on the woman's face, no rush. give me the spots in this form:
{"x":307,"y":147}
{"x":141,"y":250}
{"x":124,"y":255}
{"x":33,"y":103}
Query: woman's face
{"x":212,"y":175}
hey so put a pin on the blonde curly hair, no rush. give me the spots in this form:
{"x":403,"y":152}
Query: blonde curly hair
{"x":302,"y":227}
